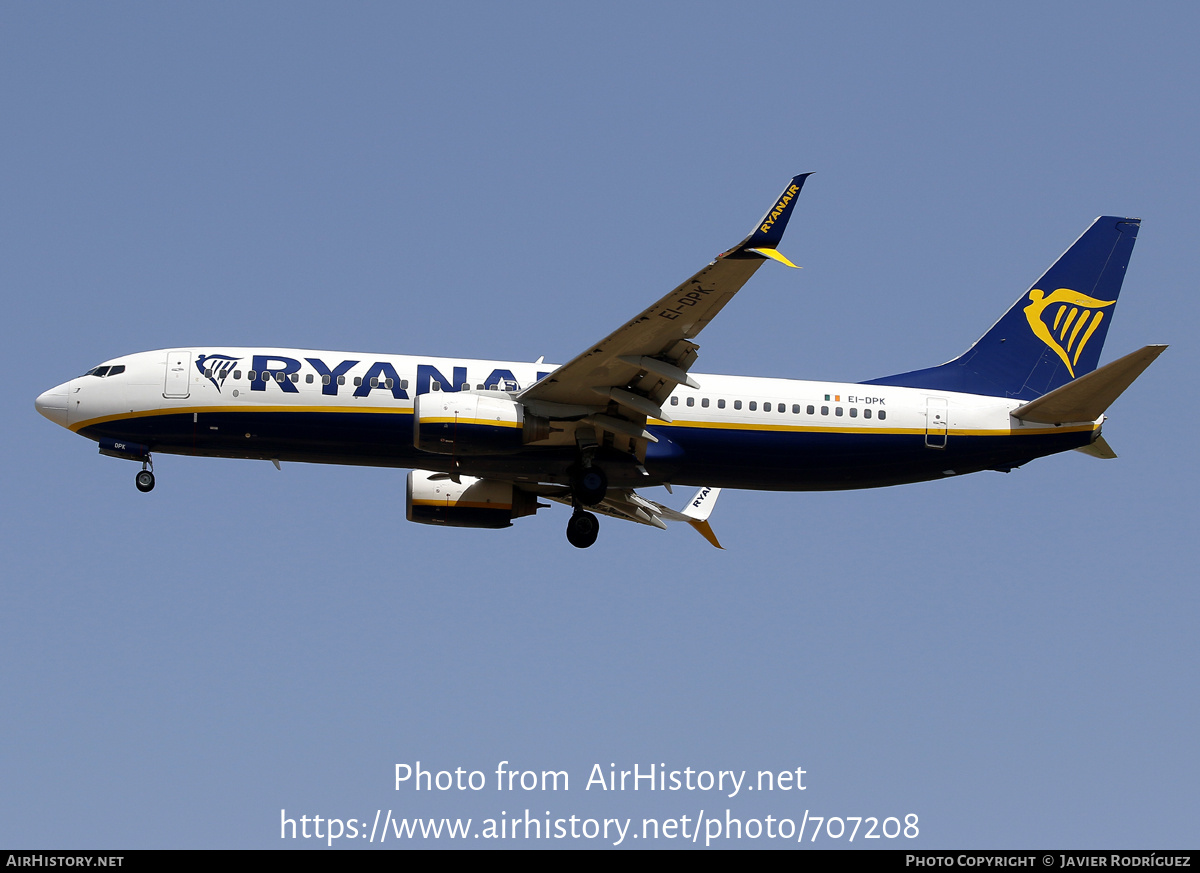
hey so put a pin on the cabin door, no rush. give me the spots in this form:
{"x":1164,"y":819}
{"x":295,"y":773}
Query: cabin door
{"x":178,"y":376}
{"x":937,"y":422}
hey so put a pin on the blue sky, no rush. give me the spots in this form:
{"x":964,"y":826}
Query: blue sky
{"x":1010,"y":657}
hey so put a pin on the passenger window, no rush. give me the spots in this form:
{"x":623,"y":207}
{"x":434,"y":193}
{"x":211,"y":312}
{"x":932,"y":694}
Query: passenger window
{"x":389,"y":382}
{"x":252,"y":375}
{"x":866,"y":413}
{"x":811,"y":409}
{"x":374,"y":383}
{"x":279,"y":377}
{"x":753,"y":405}
{"x":308,"y":380}
{"x":325,"y":380}
{"x":435,"y":386}
{"x":342,"y":380}
{"x":404,"y":383}
{"x":853,"y":412}
{"x":295,"y":377}
{"x":783,"y":407}
{"x":721,"y":403}
{"x":882,"y":415}
{"x":357,"y":381}
{"x":737,"y":404}
{"x":674,"y":401}
{"x":691,"y":401}
{"x":704,"y":402}
{"x":824,"y":410}
{"x":795,"y":409}
{"x":237,"y":374}
{"x":767,"y":406}
{"x":208,"y":373}
{"x":837,"y":410}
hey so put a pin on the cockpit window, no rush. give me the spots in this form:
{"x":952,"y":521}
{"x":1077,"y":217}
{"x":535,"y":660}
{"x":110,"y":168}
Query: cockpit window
{"x":106,"y":370}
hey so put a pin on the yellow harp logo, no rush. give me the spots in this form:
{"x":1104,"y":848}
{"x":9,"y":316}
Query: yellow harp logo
{"x":1075,"y":318}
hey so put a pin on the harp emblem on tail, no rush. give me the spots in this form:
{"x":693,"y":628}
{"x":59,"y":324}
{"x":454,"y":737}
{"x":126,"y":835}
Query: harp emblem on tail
{"x":1065,"y":320}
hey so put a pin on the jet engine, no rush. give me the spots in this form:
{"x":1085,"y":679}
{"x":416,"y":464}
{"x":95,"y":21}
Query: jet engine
{"x":465,"y":423}
{"x":435,"y":498}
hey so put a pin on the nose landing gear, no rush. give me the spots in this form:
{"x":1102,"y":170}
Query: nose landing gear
{"x":144,"y":480}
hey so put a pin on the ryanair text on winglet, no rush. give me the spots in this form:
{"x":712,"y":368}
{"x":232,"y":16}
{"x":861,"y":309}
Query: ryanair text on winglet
{"x":791,"y":192}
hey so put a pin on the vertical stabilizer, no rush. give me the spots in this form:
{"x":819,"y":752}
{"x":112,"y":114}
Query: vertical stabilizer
{"x":1053,"y":333}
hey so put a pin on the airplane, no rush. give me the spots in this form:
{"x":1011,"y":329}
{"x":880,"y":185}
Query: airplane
{"x":486,"y":441}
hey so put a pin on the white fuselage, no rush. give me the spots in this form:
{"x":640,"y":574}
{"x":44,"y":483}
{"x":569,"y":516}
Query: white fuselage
{"x":736,"y":431}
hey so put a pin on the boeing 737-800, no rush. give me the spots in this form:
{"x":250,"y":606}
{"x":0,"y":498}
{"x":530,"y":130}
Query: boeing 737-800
{"x":486,"y":439}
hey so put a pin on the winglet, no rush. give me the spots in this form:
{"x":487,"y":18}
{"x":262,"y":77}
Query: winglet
{"x":698,"y":510}
{"x":706,"y":532}
{"x":770,"y":230}
{"x":774,"y":255}
{"x":765,"y":238}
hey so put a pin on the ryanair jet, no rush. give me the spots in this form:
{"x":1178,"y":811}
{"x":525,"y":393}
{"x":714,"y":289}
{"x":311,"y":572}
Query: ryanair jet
{"x":487,"y":441}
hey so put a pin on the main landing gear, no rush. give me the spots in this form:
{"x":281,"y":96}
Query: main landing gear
{"x":582,"y":529}
{"x":589,"y":484}
{"x":144,"y":480}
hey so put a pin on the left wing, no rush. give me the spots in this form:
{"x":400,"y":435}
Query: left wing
{"x":624,"y":379}
{"x":627,"y":504}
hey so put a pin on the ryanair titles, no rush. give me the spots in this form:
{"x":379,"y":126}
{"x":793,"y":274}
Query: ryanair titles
{"x":285,"y":374}
{"x":780,"y":207}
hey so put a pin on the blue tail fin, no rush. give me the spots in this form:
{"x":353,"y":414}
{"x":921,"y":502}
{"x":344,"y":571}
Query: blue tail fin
{"x":1053,"y":333}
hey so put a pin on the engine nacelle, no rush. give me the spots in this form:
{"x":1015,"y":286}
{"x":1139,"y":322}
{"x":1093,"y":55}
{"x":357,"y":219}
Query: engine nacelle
{"x":434,"y":498}
{"x":464,"y":423}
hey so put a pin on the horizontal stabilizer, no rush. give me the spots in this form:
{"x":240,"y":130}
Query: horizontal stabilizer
{"x":1086,"y":398}
{"x":1098,"y":448}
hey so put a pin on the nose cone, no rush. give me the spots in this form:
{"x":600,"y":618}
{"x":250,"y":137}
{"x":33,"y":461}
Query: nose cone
{"x":53,"y":404}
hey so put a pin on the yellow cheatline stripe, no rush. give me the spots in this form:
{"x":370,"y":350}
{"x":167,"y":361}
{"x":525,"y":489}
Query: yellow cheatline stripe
{"x":188,"y":410}
{"x":902,"y":431}
{"x":485,"y":422}
{"x":462,"y":504}
{"x":715,"y":425}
